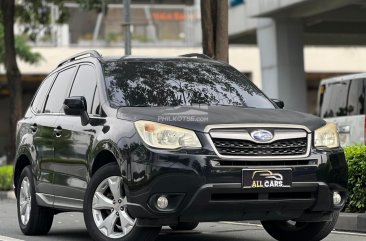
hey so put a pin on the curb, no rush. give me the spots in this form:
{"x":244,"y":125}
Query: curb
{"x":352,"y":222}
{"x":6,"y":195}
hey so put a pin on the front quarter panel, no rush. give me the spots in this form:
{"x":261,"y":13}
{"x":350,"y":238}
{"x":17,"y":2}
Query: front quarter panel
{"x":114,"y":138}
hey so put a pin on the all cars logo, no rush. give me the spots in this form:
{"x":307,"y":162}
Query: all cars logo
{"x":266,"y":179}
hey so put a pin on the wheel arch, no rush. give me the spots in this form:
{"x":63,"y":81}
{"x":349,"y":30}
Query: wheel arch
{"x":104,"y":153}
{"x":22,"y":161}
{"x":103,"y":157}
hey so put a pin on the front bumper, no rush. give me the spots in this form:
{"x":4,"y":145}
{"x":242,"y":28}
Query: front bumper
{"x":201,"y":192}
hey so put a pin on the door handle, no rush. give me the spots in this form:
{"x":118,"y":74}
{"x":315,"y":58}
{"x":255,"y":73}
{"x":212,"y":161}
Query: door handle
{"x":34,"y":128}
{"x":58,"y":131}
{"x":344,"y":129}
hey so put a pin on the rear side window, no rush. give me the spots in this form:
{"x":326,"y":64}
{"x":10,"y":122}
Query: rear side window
{"x":84,"y":84}
{"x":356,"y":97}
{"x":58,"y":93}
{"x":334,"y":100}
{"x":38,"y":101}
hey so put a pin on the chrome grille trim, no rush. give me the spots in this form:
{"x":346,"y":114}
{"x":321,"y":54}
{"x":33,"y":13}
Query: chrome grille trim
{"x":237,"y":126}
{"x":286,"y":132}
{"x":244,"y":135}
{"x":285,"y":147}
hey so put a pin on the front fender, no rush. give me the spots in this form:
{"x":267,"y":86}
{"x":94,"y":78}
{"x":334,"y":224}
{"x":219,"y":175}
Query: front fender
{"x":114,"y":150}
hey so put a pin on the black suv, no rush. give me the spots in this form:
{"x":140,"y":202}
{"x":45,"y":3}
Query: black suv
{"x":139,"y":143}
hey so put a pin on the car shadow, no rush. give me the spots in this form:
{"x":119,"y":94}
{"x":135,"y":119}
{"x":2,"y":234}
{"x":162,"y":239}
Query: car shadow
{"x":200,"y":237}
{"x":79,"y":235}
{"x":165,"y":235}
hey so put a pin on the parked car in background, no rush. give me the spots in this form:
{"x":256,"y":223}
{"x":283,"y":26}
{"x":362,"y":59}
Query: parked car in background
{"x":342,"y":100}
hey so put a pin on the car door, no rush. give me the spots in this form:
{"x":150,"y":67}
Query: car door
{"x":41,"y":127}
{"x":74,"y":143}
{"x":46,"y":123}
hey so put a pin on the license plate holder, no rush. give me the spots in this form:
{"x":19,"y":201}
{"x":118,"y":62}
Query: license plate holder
{"x":266,"y":178}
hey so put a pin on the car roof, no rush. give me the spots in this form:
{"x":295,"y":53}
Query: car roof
{"x":158,"y":58}
{"x":343,"y":78}
{"x":95,"y":55}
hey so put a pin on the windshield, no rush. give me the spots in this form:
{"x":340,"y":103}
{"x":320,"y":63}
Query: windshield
{"x":174,"y":83}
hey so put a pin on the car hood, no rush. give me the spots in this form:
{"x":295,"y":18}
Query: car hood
{"x":197,"y":118}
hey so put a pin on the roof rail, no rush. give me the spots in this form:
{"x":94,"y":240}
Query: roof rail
{"x":197,"y":55}
{"x":89,"y":53}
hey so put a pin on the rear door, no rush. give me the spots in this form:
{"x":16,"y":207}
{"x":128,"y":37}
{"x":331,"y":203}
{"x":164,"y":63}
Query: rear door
{"x":47,"y":122}
{"x":41,"y":126}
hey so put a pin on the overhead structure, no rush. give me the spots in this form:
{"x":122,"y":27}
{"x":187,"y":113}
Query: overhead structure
{"x":282,"y":28}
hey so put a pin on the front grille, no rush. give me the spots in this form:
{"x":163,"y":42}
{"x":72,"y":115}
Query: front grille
{"x":287,"y":147}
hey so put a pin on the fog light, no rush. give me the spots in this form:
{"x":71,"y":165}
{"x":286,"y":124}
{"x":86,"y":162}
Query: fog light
{"x":337,"y":199}
{"x":162,"y":202}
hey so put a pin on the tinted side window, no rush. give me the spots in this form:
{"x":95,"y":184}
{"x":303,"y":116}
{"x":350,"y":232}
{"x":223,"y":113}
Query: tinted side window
{"x":38,"y":101}
{"x":58,"y":93}
{"x":84,"y":84}
{"x":356,"y":97}
{"x":334,"y":102}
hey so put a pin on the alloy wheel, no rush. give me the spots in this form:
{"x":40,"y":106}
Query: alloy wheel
{"x":25,"y":201}
{"x":110,"y":209}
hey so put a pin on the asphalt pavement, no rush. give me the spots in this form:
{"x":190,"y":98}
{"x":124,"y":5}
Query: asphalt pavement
{"x":70,"y":226}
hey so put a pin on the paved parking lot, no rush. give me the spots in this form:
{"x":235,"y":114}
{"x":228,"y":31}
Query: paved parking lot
{"x":70,"y":226}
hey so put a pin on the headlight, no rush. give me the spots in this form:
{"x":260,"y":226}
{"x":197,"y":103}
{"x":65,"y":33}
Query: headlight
{"x":166,"y":137}
{"x":326,"y":136}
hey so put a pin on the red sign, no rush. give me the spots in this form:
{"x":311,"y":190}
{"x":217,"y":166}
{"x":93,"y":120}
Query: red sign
{"x":168,"y":16}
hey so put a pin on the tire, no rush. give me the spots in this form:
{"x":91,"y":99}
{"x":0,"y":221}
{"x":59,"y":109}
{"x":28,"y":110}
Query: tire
{"x":184,"y":226}
{"x":300,"y":231}
{"x":33,"y":219}
{"x":99,"y":209}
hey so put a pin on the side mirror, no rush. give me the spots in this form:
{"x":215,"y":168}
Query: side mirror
{"x":279,"y":103}
{"x":77,"y":106}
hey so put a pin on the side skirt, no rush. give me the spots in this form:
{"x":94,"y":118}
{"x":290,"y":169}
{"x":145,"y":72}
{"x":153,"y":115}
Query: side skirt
{"x":59,"y":202}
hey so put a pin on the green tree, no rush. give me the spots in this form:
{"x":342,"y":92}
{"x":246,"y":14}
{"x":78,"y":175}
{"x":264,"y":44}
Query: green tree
{"x":33,"y":15}
{"x":22,"y":49}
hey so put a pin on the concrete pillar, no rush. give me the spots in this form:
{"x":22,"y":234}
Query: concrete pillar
{"x":282,"y":61}
{"x":63,"y":35}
